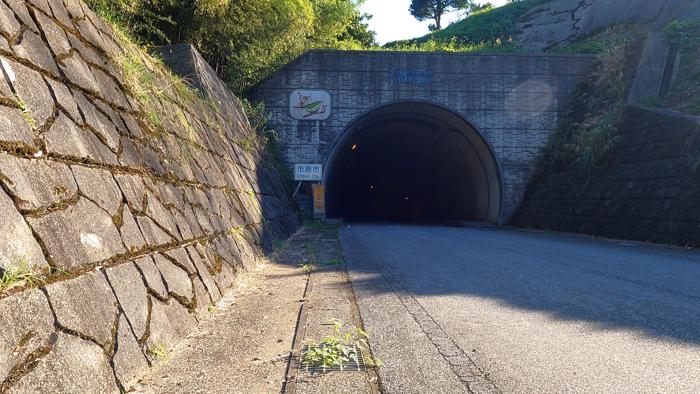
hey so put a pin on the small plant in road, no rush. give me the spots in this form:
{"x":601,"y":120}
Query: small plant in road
{"x":160,"y":352}
{"x":340,"y":347}
{"x":331,"y":352}
{"x":306,"y":266}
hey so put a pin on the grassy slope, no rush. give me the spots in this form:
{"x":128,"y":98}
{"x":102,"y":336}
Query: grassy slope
{"x":484,"y":27}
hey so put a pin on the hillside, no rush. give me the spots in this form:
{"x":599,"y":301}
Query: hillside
{"x":485,"y":27}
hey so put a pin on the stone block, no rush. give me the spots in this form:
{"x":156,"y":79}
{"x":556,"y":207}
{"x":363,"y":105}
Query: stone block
{"x":86,"y":53}
{"x":65,"y":100}
{"x":73,"y":366}
{"x":129,"y":360}
{"x":20,"y":9}
{"x":60,"y":12}
{"x":153,"y":235}
{"x":57,"y":39}
{"x":130,"y":156}
{"x":160,"y":214}
{"x":36,"y":183}
{"x":42,"y":5}
{"x":85,"y":305}
{"x":183,"y":259}
{"x":19,"y":245}
{"x":98,"y":122}
{"x":32,"y":89}
{"x":100,"y":187}
{"x":26,"y":327}
{"x":89,"y":31}
{"x":205,"y":272}
{"x":65,"y":138}
{"x":128,"y":286}
{"x":202,"y":297}
{"x":75,"y":10}
{"x":153,"y":278}
{"x":8,"y":24}
{"x":109,"y":89}
{"x":131,"y":234}
{"x":14,"y":128}
{"x":33,"y":49}
{"x":79,"y":72}
{"x":134,"y":191}
{"x":81,"y":234}
{"x":170,"y":322}
{"x":176,"y":280}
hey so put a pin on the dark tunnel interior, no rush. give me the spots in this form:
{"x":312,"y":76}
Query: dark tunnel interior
{"x":412,"y":162}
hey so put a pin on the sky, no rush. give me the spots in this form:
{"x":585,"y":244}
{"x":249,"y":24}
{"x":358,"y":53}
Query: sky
{"x":392,"y":21}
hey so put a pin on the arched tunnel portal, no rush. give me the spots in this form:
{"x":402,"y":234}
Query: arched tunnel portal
{"x":412,"y":162}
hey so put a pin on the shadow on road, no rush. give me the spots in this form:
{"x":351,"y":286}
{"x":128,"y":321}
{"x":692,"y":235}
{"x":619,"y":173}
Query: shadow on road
{"x":614,"y":285}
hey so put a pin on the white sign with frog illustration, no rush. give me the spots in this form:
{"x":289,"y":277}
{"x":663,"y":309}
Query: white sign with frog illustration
{"x":310,"y":104}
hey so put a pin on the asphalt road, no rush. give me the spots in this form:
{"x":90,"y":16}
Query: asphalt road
{"x":491,"y":310}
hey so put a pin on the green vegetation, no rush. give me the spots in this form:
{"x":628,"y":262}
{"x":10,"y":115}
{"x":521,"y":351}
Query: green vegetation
{"x":435,"y":9}
{"x":244,"y":40}
{"x":160,"y":352}
{"x":338,"y":348}
{"x":277,"y":245}
{"x":684,"y":94}
{"x":19,"y":275}
{"x":267,"y":140}
{"x":306,"y":266}
{"x":335,"y":261}
{"x":588,"y":134}
{"x":318,"y":225}
{"x":25,"y":111}
{"x":488,"y":29}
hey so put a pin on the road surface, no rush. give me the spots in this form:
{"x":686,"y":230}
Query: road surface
{"x":492,"y":310}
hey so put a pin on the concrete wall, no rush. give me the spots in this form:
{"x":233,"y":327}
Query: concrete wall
{"x":134,"y":233}
{"x":650,"y":191}
{"x":514,"y":101}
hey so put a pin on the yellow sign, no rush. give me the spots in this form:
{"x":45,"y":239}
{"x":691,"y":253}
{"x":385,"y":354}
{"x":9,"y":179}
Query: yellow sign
{"x":319,"y":193}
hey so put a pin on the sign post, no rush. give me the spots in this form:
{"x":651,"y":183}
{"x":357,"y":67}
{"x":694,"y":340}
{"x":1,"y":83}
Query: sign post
{"x":308,"y":172}
{"x":319,"y":193}
{"x":313,"y":173}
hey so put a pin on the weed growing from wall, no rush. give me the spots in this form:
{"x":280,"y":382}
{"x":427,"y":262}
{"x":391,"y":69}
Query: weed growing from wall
{"x":19,"y":274}
{"x":588,"y":135}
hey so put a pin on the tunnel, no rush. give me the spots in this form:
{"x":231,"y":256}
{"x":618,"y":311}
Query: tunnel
{"x":412,"y":162}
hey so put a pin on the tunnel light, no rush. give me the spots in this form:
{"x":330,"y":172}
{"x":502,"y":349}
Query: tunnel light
{"x":406,"y":198}
{"x":354,"y":147}
{"x":371,"y":187}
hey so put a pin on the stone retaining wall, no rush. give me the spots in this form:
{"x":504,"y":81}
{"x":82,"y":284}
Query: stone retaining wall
{"x":650,"y":191}
{"x":131,"y":231}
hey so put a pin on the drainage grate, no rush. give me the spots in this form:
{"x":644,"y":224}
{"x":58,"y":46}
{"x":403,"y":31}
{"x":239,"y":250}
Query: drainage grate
{"x":353,"y":365}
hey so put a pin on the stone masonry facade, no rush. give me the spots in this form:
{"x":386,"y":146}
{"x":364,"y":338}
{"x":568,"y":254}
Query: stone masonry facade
{"x":514,"y":101}
{"x":131,"y":233}
{"x":650,"y":191}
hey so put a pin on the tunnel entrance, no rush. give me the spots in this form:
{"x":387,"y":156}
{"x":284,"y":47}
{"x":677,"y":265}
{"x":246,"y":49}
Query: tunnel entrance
{"x":412,"y":162}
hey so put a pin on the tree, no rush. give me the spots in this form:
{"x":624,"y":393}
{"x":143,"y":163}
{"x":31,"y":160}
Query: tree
{"x":244,"y":40}
{"x":359,"y":33}
{"x":435,"y":9}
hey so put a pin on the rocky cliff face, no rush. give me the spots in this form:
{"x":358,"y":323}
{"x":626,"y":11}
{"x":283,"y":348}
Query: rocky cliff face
{"x":130,"y":211}
{"x":560,"y":22}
